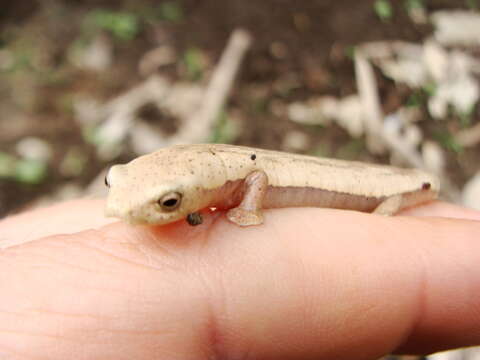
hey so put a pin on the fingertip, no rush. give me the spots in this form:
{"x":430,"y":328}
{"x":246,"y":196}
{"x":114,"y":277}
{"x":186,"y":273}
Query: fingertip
{"x":62,"y":218}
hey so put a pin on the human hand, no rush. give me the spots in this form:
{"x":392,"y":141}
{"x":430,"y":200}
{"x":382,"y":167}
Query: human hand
{"x":308,"y":284}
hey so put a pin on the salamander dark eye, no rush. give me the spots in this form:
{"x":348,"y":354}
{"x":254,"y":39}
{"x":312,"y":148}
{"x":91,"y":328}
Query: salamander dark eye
{"x":107,"y":184}
{"x":426,"y":186}
{"x":170,"y":201}
{"x":253,"y":157}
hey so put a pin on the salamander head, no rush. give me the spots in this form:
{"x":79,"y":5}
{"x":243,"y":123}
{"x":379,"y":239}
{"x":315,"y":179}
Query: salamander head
{"x":142,"y":194}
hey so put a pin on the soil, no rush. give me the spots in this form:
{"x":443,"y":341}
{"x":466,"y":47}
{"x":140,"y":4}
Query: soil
{"x":308,"y":41}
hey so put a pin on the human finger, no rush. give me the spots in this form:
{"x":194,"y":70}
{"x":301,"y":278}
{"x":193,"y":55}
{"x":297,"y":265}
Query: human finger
{"x":443,"y":209}
{"x":309,"y":283}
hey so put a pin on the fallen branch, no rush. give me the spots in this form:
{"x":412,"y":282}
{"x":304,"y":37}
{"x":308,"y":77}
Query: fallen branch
{"x":199,"y":126}
{"x":372,"y":112}
{"x":378,"y":134}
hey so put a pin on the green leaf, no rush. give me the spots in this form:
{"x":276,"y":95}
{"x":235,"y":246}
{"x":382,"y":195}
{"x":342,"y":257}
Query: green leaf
{"x":30,"y":171}
{"x":123,"y":25}
{"x":412,"y":5}
{"x":414,"y":100}
{"x":448,"y":141}
{"x":92,"y":135}
{"x":225,"y":131}
{"x":472,"y":4}
{"x":350,"y":52}
{"x":466,"y":117}
{"x":351,"y":150}
{"x":193,"y":61}
{"x":321,"y":150}
{"x":171,"y":11}
{"x":7,"y":165}
{"x":430,"y":88}
{"x":383,"y":9}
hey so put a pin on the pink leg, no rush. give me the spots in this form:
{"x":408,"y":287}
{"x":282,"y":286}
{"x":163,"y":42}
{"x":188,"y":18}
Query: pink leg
{"x":249,"y":211}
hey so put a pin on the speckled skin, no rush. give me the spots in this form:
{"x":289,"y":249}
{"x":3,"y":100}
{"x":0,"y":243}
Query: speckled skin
{"x":211,"y":175}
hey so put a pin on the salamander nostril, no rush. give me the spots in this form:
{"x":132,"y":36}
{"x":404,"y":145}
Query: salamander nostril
{"x":426,"y":186}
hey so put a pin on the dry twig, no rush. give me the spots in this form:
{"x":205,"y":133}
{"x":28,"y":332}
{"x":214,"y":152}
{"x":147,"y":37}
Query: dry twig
{"x":199,"y":126}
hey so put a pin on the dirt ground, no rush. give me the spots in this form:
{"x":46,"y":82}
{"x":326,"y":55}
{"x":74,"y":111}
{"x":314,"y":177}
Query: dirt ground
{"x":307,"y":41}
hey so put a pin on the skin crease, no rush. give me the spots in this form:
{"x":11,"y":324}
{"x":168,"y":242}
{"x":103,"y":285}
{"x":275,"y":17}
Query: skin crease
{"x":298,"y":287}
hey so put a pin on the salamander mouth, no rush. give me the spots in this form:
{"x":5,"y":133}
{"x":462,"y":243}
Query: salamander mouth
{"x":110,"y":211}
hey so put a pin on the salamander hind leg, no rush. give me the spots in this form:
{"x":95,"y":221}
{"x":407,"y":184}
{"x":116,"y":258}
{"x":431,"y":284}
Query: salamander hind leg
{"x":390,"y":205}
{"x":249,"y":212}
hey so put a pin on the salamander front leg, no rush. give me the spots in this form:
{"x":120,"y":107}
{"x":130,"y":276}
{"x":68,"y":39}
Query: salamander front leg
{"x":249,"y":212}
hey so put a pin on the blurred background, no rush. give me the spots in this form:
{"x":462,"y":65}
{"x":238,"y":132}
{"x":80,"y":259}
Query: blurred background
{"x":86,"y":84}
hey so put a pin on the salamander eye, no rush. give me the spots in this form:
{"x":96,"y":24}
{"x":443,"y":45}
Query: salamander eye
{"x":170,"y":201}
{"x":107,"y":184}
